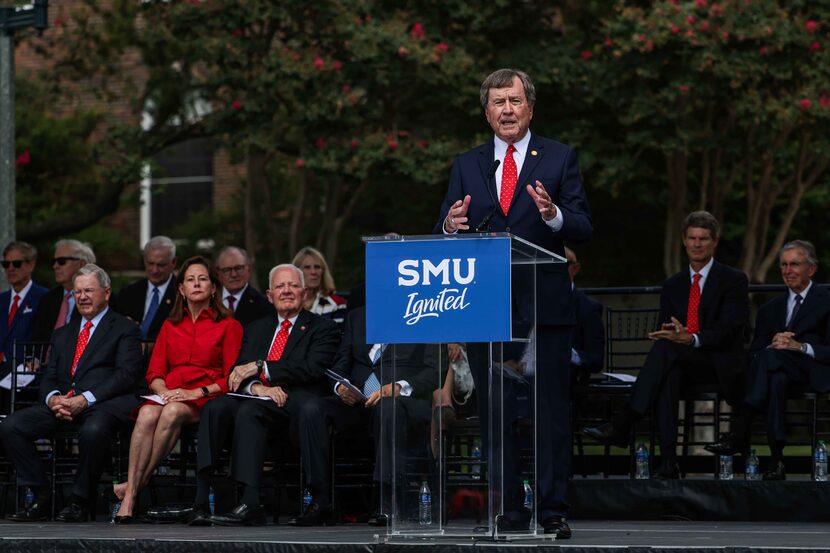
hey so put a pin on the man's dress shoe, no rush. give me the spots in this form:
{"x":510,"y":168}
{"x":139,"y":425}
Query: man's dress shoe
{"x":178,"y":514}
{"x":72,"y":513}
{"x":605,"y":433}
{"x":505,"y":523}
{"x":557,"y":526}
{"x":727,"y":445}
{"x":242,"y":515}
{"x":776,"y":473}
{"x":38,"y":512}
{"x":315,"y":515}
{"x":378,"y":519}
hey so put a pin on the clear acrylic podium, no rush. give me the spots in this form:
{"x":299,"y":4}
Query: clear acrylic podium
{"x":472,"y":480}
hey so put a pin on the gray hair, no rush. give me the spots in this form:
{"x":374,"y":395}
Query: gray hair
{"x":29,"y":252}
{"x":81,"y":250}
{"x":702,"y":219}
{"x":807,"y":247}
{"x":161,"y":242}
{"x":241,"y":252}
{"x":503,"y":78}
{"x":93,"y":269}
{"x":291,"y":266}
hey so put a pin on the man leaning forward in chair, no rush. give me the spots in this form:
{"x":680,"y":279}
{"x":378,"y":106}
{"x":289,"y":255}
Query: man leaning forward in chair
{"x":791,"y":345}
{"x":704,"y":309}
{"x":90,"y":384}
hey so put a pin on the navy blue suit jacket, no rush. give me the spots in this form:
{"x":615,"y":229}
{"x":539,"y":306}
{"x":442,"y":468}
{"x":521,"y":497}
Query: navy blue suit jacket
{"x":21,"y":328}
{"x":811,"y":326}
{"x":555,"y":166}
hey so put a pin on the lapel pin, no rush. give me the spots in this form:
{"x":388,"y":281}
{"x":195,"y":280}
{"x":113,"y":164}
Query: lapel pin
{"x":167,"y":301}
{"x":533,"y":152}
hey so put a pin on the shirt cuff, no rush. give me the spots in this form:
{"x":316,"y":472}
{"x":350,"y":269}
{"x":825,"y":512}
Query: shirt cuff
{"x":50,"y":394}
{"x":696,"y":338}
{"x":444,"y":228}
{"x":406,"y":389}
{"x":575,"y":358}
{"x":247,"y":389}
{"x":809,"y":351}
{"x":265,"y":371}
{"x":556,"y":223}
{"x":90,"y":398}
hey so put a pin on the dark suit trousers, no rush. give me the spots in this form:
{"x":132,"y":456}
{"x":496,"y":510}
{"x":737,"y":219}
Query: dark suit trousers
{"x":318,"y":414}
{"x":766,"y":386}
{"x":96,"y":431}
{"x":216,"y":430}
{"x":667,"y":365}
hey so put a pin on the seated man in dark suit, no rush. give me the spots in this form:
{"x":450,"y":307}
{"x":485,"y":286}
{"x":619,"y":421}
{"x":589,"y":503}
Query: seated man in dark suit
{"x":416,"y":374}
{"x":148,"y":301}
{"x":588,"y":337}
{"x":18,"y":307}
{"x":245,"y":302}
{"x":791,"y":344}
{"x":284,"y":358}
{"x":704,"y":309}
{"x":94,"y":372}
{"x":57,"y":306}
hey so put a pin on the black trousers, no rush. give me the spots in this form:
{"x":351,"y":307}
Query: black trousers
{"x":668,"y":366}
{"x":553,"y":428}
{"x":318,"y":414}
{"x":244,"y":426}
{"x":96,"y":428}
{"x":769,"y":375}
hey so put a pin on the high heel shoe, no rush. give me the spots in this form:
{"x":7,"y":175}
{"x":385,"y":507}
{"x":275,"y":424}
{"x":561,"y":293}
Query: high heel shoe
{"x":125,"y":519}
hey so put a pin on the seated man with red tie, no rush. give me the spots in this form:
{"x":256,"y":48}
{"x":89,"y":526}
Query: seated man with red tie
{"x":20,"y":303}
{"x":283,"y":358}
{"x":704,"y":311}
{"x":94,"y":372}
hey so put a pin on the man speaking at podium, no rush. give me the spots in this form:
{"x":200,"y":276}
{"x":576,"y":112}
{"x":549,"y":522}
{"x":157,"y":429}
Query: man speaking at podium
{"x":529,"y":186}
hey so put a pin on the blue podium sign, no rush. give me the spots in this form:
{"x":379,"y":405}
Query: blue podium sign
{"x":437,"y":290}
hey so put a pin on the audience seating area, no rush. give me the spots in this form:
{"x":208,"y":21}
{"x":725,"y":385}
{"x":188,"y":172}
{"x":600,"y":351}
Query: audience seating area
{"x":629,"y":315}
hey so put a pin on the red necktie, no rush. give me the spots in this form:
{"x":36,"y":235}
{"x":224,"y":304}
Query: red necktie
{"x":279,"y":342}
{"x":63,"y":312}
{"x":694,"y":301}
{"x":83,"y":338}
{"x":13,"y":310}
{"x":509,"y":177}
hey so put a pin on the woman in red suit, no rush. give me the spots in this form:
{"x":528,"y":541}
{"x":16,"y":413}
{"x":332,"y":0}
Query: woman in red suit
{"x":193,"y":354}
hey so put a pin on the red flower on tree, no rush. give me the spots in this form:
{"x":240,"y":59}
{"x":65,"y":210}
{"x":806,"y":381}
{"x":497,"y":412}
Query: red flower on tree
{"x":355,"y":144}
{"x":236,"y":104}
{"x":392,"y":144}
{"x":417,"y":32}
{"x":320,"y":143}
{"x":586,"y":55}
{"x":762,"y":50}
{"x":805,"y":104}
{"x":319,"y":63}
{"x":824,"y":101}
{"x":237,"y":32}
{"x":337,"y":65}
{"x":675,"y":29}
{"x":700,"y":3}
{"x":815,"y":46}
{"x":443,"y":46}
{"x":810,"y":26}
{"x":300,"y":163}
{"x":609,"y":42}
{"x":24,"y":159}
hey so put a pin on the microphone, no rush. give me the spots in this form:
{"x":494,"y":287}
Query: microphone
{"x":484,"y":225}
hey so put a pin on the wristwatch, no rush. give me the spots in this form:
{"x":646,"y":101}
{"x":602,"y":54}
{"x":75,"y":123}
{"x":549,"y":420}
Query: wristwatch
{"x":205,"y":391}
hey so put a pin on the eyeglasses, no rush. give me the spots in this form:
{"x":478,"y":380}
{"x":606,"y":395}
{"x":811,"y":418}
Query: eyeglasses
{"x":62,"y":260}
{"x":234,"y":269}
{"x":16,"y":263}
{"x":312,"y":267}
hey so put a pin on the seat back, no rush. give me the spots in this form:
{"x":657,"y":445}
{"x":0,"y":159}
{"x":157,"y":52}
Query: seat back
{"x":29,"y":361}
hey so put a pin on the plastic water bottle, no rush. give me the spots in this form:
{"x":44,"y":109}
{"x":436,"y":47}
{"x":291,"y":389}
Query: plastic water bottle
{"x":116,"y":505}
{"x":28,"y":498}
{"x":820,"y":462}
{"x":641,"y":462}
{"x":212,"y":500}
{"x":476,"y":462}
{"x":306,"y":499}
{"x":725,"y":467}
{"x":528,"y":496}
{"x":424,"y":505}
{"x":752,"y":472}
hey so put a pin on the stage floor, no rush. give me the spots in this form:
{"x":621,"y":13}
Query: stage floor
{"x":588,"y":535}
